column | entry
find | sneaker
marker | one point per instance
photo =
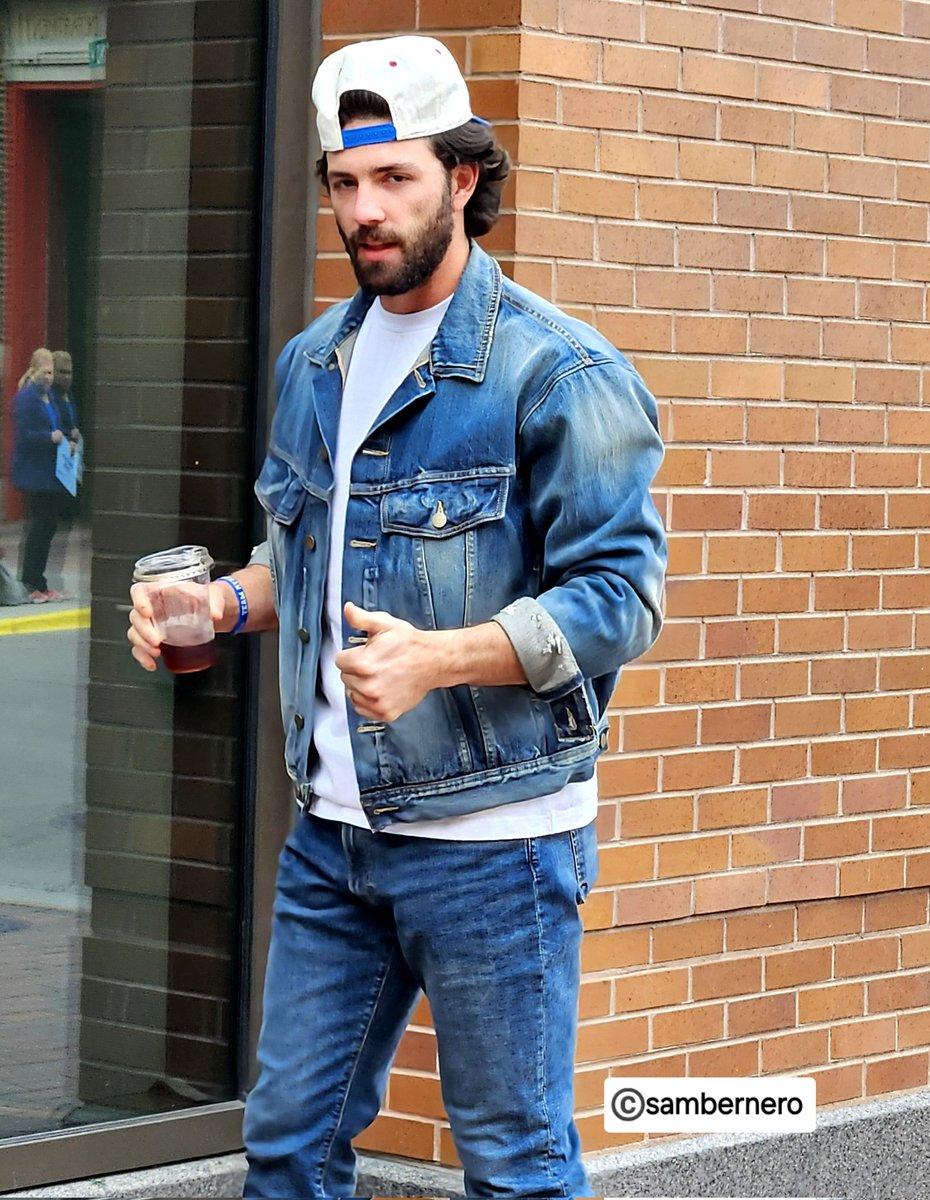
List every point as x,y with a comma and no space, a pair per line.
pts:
38,598
52,596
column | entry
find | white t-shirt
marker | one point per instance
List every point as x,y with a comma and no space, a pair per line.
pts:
386,348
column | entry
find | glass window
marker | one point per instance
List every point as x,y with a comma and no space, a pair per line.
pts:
130,167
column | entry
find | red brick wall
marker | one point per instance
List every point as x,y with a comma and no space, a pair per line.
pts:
736,194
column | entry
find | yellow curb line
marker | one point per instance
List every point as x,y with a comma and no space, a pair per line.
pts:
47,622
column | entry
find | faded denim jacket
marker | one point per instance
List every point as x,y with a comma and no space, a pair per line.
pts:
506,479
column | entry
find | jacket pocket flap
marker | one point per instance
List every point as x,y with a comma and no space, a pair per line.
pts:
439,508
280,490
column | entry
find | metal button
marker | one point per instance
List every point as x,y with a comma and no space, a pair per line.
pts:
439,520
304,635
331,367
299,721
310,541
324,455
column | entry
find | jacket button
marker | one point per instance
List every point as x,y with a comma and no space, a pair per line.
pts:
304,635
310,541
299,721
324,455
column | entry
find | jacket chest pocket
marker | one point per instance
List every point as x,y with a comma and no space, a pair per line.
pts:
443,508
442,518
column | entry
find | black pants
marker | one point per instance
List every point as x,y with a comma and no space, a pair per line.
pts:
43,510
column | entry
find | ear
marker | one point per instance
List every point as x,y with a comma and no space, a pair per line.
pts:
464,181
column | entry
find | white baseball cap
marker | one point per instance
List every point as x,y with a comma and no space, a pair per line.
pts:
417,77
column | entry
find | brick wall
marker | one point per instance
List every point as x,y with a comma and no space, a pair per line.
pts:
736,194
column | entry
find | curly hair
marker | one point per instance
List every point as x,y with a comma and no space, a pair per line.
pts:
470,143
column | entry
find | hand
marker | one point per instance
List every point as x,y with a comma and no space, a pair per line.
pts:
394,670
143,632
57,436
75,435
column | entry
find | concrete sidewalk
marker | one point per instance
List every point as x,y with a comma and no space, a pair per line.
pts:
43,901
41,950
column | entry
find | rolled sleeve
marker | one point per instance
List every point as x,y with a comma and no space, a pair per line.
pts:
260,556
539,644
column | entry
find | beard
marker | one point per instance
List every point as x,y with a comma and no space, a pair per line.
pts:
421,250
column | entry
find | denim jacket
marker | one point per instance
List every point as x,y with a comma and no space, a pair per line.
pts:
506,479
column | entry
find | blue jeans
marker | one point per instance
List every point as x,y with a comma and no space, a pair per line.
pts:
490,931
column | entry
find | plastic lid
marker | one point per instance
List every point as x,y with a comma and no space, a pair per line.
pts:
173,566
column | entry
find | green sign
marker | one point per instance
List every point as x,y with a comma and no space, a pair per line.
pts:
97,52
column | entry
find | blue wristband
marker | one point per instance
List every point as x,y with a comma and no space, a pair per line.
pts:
239,592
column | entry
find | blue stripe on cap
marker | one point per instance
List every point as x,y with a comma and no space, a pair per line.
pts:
368,135
481,121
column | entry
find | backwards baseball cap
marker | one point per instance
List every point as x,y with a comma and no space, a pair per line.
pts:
417,77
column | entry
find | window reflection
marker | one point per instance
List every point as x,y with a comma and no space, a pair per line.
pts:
53,111
128,162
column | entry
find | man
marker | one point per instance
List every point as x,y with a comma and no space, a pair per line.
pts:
463,552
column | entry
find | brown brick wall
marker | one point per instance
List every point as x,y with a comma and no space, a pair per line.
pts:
765,801
739,199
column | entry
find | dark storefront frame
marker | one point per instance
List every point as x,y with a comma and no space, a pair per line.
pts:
284,237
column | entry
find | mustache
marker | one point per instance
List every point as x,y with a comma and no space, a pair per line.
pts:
372,236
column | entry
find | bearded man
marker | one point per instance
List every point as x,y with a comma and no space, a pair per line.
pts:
461,555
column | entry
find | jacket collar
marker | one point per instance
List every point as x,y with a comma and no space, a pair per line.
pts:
462,343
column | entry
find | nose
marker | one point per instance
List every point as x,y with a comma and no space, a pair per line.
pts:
368,208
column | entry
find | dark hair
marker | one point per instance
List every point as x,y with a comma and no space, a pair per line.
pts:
470,143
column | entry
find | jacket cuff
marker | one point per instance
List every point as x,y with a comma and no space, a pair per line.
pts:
540,645
260,556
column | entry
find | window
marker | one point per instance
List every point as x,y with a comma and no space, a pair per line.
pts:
131,178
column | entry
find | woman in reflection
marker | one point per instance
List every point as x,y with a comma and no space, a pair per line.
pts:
37,434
